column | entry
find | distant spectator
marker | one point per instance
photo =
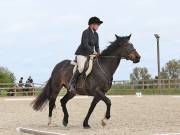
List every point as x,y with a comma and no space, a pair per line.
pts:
21,82
30,80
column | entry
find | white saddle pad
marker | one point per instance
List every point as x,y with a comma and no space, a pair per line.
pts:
88,71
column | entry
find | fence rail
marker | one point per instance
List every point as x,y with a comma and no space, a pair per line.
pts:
148,84
14,89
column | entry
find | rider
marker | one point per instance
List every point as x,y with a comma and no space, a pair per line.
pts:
21,82
89,45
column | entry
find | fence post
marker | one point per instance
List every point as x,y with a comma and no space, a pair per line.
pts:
164,86
32,93
133,85
169,83
33,90
159,83
15,91
143,84
123,84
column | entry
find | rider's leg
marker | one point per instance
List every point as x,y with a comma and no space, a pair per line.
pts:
73,81
81,60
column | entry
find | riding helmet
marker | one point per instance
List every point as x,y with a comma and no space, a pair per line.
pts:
94,20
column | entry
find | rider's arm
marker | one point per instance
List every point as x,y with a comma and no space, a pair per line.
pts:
85,41
97,45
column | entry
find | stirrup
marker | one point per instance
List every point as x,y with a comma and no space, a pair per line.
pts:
72,90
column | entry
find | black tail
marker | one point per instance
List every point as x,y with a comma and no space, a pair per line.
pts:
41,100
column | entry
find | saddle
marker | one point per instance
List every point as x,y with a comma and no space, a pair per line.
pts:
88,65
87,70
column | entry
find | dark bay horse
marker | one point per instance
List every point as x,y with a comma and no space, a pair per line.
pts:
97,83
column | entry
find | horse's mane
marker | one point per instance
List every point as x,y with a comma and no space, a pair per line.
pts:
113,46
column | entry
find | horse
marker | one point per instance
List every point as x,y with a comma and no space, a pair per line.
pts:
97,83
28,88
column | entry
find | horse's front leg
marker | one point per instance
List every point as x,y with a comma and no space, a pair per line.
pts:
108,104
93,105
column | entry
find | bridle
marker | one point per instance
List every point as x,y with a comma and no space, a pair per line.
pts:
113,57
129,50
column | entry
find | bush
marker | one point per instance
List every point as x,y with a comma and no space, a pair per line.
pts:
6,76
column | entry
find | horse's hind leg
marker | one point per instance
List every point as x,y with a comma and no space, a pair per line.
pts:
64,101
55,91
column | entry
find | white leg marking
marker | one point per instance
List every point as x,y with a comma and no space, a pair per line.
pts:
104,122
49,121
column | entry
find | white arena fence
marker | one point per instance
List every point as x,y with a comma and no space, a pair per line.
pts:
35,132
15,89
147,84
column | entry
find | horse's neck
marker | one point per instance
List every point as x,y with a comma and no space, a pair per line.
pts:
110,65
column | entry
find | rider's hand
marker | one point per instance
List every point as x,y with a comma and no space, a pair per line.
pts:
98,54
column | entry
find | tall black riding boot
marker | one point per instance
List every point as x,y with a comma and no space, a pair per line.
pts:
73,81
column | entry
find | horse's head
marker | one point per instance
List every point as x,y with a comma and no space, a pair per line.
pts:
127,49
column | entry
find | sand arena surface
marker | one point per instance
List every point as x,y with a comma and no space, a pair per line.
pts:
147,115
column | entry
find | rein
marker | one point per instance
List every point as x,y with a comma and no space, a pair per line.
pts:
100,67
115,57
104,73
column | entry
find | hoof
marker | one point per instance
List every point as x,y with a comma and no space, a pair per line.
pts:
49,122
104,122
65,122
87,127
73,92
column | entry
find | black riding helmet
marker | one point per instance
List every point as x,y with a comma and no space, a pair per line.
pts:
94,20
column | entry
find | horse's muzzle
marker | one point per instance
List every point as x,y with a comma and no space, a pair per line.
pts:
136,59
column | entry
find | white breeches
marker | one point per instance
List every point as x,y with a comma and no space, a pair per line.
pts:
81,60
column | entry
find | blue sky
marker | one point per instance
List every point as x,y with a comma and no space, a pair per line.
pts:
37,34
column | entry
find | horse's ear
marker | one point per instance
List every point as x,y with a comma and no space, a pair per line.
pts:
129,37
116,36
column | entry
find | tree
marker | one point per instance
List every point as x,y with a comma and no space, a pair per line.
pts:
171,70
140,74
6,76
163,74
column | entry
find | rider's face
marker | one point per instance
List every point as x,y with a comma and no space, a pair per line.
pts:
95,27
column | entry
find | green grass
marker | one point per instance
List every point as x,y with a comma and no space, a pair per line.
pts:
167,91
119,91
